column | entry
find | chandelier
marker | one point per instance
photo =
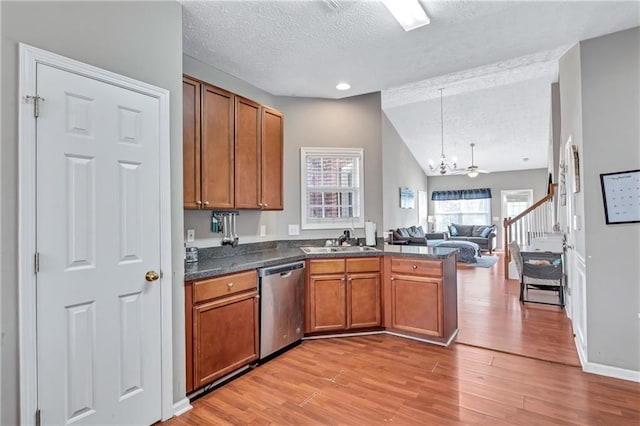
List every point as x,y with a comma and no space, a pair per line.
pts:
443,166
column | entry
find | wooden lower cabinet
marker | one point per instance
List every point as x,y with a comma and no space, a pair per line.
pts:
343,294
416,305
363,300
222,326
421,297
327,302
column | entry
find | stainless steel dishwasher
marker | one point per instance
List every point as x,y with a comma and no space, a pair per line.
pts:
281,306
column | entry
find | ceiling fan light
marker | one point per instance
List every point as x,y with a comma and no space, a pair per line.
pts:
408,13
472,173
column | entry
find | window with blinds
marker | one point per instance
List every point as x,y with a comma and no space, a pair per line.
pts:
332,191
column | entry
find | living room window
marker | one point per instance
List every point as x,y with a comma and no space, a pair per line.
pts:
464,207
332,188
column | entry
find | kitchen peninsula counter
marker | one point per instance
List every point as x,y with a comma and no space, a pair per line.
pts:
224,260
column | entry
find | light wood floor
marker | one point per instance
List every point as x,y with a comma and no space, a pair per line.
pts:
383,379
490,315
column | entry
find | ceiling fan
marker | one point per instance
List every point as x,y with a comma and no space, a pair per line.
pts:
473,170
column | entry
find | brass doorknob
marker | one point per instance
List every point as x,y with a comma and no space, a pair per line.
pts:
151,276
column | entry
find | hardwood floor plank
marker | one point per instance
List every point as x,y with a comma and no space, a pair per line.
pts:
490,315
529,376
384,379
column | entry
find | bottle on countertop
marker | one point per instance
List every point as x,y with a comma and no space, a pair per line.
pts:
192,255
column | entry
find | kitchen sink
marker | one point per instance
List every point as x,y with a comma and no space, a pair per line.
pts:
342,249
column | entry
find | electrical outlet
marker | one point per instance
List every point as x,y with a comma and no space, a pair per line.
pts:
294,230
191,235
263,231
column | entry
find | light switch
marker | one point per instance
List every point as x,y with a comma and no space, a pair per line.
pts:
191,235
294,230
263,231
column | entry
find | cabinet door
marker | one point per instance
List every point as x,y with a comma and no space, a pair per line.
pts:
191,143
217,148
417,305
327,302
272,158
248,154
225,336
363,300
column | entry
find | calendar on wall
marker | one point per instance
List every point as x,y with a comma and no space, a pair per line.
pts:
621,196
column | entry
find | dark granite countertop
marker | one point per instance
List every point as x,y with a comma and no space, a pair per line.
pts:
224,260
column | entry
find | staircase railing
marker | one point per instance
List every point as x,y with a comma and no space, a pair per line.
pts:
533,222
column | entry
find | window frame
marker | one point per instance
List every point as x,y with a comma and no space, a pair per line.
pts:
331,223
442,226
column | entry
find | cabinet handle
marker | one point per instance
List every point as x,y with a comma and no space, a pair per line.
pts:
342,279
198,202
260,204
350,279
206,203
415,267
265,205
230,285
393,278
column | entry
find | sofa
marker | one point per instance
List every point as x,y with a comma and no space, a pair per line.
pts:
414,235
483,235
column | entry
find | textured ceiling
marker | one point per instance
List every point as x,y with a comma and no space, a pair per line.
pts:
494,59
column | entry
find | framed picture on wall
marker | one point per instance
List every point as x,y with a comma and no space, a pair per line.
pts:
576,168
407,198
621,196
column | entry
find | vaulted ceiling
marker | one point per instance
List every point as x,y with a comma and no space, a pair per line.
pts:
494,60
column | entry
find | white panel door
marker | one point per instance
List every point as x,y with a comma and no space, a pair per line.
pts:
98,233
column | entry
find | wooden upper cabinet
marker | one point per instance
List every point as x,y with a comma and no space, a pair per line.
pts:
248,153
272,159
218,153
191,143
232,150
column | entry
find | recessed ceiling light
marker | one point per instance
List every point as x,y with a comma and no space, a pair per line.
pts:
343,86
525,159
408,13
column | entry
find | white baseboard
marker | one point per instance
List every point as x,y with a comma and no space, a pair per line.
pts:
604,370
609,371
181,407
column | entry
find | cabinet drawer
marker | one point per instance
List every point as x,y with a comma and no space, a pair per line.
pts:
326,266
225,286
423,267
363,264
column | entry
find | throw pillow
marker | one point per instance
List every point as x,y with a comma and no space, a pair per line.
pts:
486,231
416,231
403,232
453,231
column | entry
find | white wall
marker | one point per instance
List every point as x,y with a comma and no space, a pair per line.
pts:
535,179
350,122
400,169
142,40
610,68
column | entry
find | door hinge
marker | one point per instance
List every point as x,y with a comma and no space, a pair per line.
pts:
36,104
36,262
38,417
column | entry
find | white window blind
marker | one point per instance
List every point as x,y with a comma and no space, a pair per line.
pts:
332,190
